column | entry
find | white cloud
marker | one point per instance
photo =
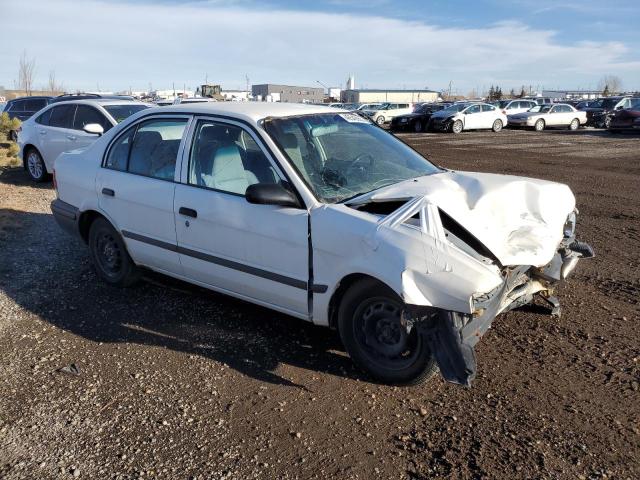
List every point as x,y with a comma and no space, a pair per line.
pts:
122,44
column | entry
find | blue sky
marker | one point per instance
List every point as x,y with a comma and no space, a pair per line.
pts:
117,44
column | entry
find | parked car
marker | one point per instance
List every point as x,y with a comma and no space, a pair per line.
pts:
66,126
23,108
387,111
599,114
544,116
542,100
468,116
369,106
509,107
323,216
585,104
627,119
418,120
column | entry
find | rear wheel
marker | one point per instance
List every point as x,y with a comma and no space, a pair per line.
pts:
457,126
380,120
539,125
109,255
418,126
372,331
497,126
575,123
35,166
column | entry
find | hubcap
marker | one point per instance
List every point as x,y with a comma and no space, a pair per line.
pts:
35,165
108,254
457,127
382,335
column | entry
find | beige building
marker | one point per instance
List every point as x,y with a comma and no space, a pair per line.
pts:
404,96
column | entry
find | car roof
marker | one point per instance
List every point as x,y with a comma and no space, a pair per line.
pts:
251,111
34,97
100,101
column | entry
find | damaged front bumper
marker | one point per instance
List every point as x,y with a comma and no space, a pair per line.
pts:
452,336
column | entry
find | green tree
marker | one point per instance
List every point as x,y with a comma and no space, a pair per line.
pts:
605,92
8,124
491,94
523,92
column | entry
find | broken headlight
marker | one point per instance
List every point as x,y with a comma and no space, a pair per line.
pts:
570,225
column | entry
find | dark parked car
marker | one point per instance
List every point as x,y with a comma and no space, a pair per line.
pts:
626,119
418,120
89,96
600,113
586,104
22,108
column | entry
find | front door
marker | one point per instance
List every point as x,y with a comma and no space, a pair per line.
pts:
136,187
256,252
86,114
54,137
473,117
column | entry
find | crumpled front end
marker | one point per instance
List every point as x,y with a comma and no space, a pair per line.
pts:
452,335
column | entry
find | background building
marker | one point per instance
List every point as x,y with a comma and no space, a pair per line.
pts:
368,96
287,93
572,94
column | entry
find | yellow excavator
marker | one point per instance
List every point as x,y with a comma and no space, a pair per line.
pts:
211,91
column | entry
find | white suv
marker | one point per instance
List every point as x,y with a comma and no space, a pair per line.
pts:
387,111
68,125
322,215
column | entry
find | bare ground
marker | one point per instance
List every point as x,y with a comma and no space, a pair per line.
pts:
177,382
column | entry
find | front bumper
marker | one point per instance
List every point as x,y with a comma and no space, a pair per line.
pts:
452,336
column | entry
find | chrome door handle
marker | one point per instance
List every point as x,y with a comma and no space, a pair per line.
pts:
72,137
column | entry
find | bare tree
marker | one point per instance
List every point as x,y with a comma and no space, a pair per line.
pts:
613,82
26,69
53,86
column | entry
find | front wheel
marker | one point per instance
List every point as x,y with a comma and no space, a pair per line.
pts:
372,331
575,123
539,125
497,126
417,126
380,120
35,166
457,126
109,255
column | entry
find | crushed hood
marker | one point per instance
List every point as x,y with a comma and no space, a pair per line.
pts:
520,220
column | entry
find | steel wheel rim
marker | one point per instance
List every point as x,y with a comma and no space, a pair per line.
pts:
457,126
108,254
380,120
539,125
35,165
574,125
497,125
382,337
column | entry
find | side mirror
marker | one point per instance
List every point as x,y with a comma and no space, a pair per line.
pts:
93,128
271,194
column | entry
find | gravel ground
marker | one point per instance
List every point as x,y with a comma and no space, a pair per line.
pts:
177,382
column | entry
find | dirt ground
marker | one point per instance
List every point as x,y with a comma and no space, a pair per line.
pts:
177,382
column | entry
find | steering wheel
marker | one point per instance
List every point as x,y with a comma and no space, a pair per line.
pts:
358,165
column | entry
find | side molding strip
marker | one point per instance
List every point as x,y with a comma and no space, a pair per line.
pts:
241,267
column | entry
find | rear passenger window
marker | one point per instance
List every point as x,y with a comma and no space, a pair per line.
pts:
154,149
43,119
17,106
62,116
226,158
119,152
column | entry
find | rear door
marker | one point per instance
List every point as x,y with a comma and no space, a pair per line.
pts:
257,252
55,136
136,186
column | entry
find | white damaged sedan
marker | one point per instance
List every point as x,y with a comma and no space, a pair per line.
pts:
323,216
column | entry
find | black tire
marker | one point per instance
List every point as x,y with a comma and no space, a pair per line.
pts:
418,127
497,126
370,309
34,165
380,120
13,136
539,125
457,127
109,255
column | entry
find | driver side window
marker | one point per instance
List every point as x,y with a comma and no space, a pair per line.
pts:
473,109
